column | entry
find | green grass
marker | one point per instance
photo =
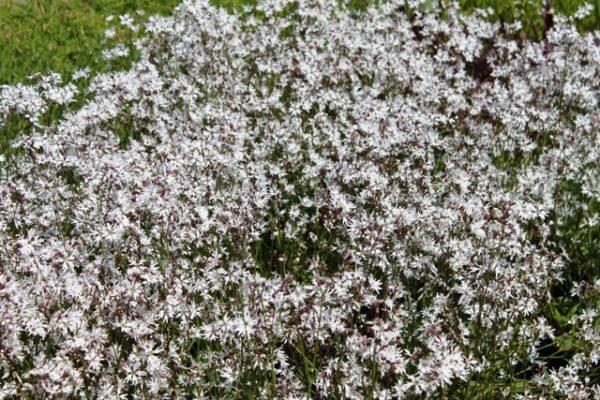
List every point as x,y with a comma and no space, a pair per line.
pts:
62,35
59,35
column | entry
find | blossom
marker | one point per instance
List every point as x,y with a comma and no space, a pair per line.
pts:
294,200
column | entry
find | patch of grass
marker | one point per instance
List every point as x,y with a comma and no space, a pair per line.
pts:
63,35
59,35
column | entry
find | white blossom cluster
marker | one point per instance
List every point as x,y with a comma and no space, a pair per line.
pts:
300,202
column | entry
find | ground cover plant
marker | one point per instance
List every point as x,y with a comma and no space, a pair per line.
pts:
307,199
41,36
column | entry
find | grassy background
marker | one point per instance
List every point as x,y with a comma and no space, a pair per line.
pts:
62,35
58,35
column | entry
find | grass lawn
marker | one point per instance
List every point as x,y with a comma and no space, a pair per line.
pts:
62,35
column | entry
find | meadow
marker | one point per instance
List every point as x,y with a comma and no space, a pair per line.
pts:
300,199
65,35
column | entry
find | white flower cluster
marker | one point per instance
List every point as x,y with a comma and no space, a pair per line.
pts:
295,202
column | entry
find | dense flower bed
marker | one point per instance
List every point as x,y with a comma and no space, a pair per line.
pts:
297,202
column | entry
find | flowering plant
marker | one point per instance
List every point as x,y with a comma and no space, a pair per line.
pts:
295,202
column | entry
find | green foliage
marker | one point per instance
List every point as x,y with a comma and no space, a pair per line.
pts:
59,35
